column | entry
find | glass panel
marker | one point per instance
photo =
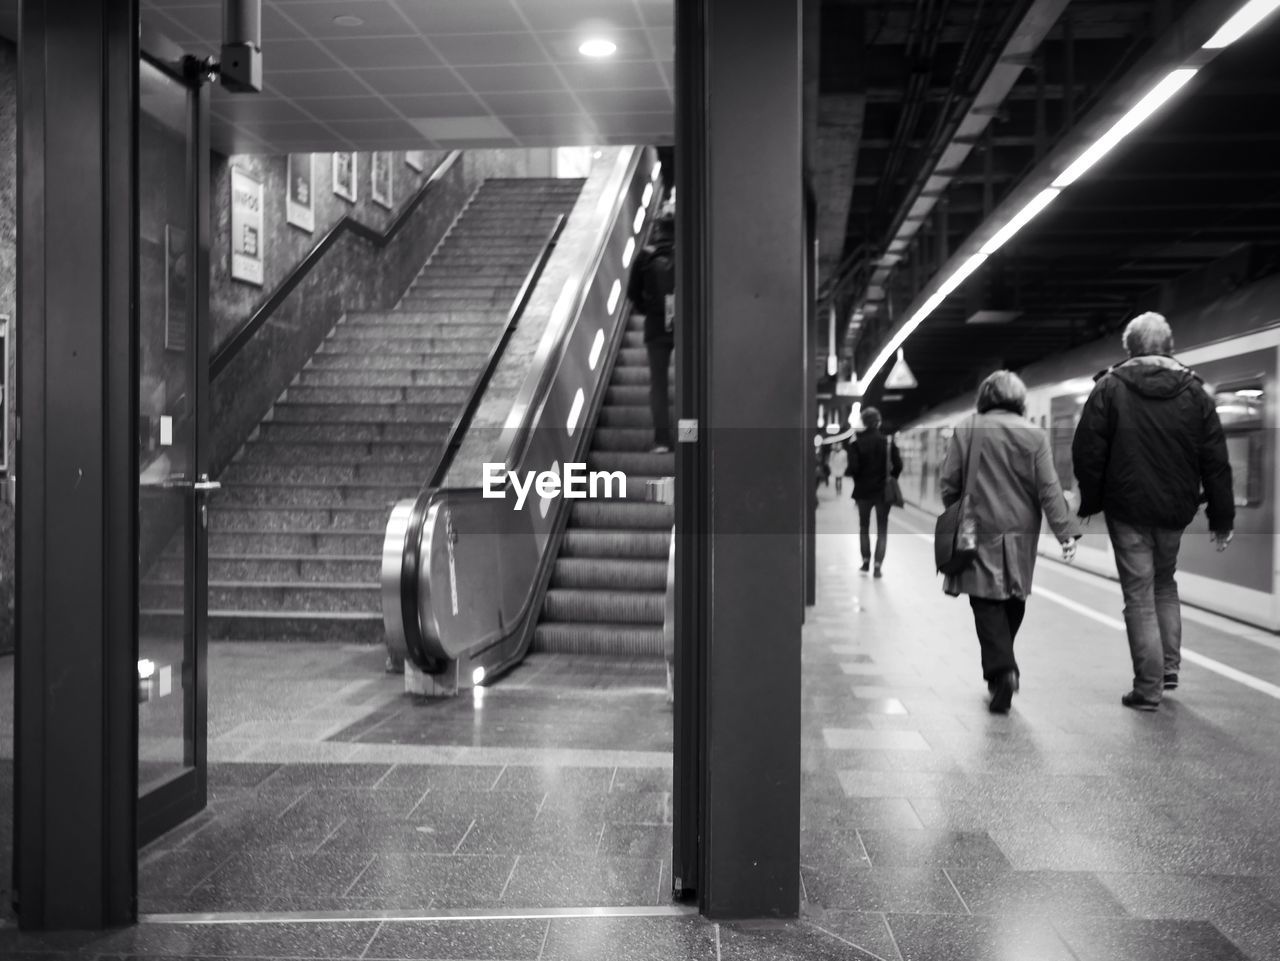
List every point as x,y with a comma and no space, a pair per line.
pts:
166,441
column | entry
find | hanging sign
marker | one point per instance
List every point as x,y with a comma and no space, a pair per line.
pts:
900,378
246,227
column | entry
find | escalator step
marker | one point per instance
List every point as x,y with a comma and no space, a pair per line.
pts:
583,542
614,639
595,574
603,607
620,515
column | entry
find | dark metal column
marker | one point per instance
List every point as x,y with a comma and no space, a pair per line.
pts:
744,485
76,742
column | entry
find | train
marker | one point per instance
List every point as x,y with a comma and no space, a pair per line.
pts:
1233,343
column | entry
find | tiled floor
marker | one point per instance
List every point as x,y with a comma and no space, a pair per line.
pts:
932,831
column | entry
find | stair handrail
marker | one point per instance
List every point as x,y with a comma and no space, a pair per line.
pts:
346,224
457,433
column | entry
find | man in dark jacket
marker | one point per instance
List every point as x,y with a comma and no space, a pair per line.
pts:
651,289
1149,440
872,458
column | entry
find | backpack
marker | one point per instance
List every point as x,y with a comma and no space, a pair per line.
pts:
658,286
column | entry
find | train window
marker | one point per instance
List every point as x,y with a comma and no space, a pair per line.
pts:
1240,409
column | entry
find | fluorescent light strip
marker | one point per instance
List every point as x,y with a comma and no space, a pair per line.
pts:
648,194
1143,109
639,221
628,252
1244,20
1020,220
597,347
615,294
575,412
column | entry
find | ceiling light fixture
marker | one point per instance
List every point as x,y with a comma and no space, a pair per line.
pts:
348,20
1245,19
598,47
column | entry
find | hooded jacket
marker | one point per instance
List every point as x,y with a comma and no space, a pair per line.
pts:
1149,447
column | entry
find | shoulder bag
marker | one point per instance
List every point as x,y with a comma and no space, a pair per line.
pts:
892,489
955,533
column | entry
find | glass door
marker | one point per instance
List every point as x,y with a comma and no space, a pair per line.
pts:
172,370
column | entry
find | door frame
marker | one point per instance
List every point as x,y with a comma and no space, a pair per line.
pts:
184,796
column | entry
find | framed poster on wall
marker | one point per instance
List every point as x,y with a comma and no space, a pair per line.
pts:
417,159
176,291
246,227
300,209
344,176
381,178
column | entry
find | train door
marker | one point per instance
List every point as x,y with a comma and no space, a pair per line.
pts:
171,442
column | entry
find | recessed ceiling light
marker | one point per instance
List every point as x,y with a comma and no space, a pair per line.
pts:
348,20
598,47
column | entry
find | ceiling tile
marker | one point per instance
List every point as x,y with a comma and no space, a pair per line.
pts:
498,79
295,55
642,124
551,126
463,128
275,131
657,13
203,21
156,20
361,52
532,102
434,17
637,75
349,108
415,80
627,101
576,14
563,45
254,107
471,49
302,84
663,43
357,130
276,26
437,105
316,17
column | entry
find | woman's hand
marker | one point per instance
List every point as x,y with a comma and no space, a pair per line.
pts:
1069,550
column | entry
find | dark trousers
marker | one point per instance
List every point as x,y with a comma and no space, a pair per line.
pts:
659,403
881,508
997,623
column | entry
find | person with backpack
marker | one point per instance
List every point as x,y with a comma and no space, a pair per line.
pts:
652,291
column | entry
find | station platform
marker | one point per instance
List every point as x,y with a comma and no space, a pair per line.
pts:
1070,829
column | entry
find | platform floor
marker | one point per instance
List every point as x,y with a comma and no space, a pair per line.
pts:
1071,829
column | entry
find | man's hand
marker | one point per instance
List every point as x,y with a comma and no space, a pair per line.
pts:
1069,550
1221,539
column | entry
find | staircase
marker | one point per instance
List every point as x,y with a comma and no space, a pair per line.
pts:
296,534
607,590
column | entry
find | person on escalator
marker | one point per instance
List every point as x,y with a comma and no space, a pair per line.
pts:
652,289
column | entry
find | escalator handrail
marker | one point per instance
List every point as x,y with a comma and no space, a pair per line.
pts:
462,424
346,224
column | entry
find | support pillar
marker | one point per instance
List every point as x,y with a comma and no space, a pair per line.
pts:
76,744
744,484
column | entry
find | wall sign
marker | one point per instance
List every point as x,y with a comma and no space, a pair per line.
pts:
381,177
176,288
246,227
300,208
344,176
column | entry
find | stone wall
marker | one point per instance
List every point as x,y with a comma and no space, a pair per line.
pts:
8,307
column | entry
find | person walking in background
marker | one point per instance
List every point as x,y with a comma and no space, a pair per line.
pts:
651,289
1149,440
1012,481
839,465
872,459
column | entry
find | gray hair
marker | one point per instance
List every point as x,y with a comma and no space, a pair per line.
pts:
1004,390
1148,333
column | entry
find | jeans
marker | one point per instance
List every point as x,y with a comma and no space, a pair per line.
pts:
1147,558
997,623
881,508
659,404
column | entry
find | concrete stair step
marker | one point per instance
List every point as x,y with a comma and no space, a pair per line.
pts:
311,568
603,607
345,346
622,515
297,519
453,396
346,472
575,573
276,429
447,360
275,542
615,639
289,413
433,302
338,452
248,596
377,378
284,494
440,322
615,545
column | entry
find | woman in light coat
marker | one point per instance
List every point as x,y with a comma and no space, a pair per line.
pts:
1013,482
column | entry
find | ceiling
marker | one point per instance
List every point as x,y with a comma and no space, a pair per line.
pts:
440,73
1184,210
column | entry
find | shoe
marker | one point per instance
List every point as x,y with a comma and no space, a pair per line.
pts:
1171,682
1002,694
866,566
1139,703
876,572
660,449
